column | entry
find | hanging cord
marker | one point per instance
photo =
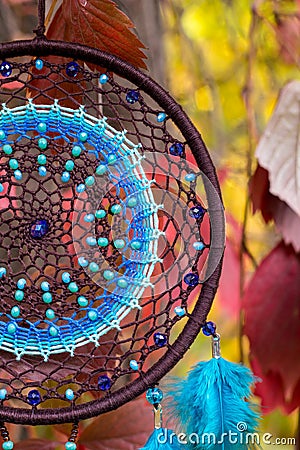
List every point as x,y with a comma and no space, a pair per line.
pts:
40,30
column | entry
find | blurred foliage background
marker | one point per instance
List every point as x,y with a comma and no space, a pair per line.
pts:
225,61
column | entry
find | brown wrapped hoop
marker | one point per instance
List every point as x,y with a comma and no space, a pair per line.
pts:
41,47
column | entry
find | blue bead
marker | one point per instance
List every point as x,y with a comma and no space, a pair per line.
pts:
104,383
134,364
2,272
53,331
199,246
89,218
19,295
93,267
190,177
42,171
103,78
39,229
66,277
5,69
39,64
65,177
34,397
176,149
70,445
80,188
93,315
161,117
11,328
45,286
1,188
90,240
197,212
179,311
7,445
2,135
69,394
21,283
191,279
72,69
132,96
209,329
154,395
82,261
3,394
18,175
47,297
160,339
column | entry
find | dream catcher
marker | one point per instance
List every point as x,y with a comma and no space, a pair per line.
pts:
112,236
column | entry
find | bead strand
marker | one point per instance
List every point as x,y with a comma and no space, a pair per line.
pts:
7,444
71,444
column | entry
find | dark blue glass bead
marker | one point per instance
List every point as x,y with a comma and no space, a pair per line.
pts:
191,279
104,383
197,212
34,397
132,96
39,228
209,328
154,396
5,69
176,149
72,69
160,339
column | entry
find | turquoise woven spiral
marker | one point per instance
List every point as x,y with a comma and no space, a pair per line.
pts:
120,161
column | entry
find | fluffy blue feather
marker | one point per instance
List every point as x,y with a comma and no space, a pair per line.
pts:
212,402
162,439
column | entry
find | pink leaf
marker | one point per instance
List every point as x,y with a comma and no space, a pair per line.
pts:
272,312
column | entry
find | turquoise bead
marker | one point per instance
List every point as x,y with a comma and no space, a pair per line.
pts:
2,135
50,314
80,188
3,394
69,165
82,261
199,246
134,364
122,283
42,159
69,394
154,395
47,297
111,158
42,171
132,202
39,64
42,127
2,272
100,213
19,295
190,177
73,287
7,149
8,445
76,151
101,169
119,243
93,267
179,311
108,275
83,136
53,331
15,312
45,286
11,328
66,277
82,301
70,445
103,242
103,78
65,177
13,164
90,240
136,245
1,188
89,181
116,209
21,283
18,175
42,143
92,314
89,218
161,117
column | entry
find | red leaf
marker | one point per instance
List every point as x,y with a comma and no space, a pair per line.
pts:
99,24
36,444
127,428
272,312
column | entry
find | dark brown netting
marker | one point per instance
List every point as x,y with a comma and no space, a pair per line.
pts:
129,355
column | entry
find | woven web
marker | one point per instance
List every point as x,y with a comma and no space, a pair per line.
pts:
127,262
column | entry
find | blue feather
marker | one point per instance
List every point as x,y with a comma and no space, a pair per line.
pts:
212,402
162,439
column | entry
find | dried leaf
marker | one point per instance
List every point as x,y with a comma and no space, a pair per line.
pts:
272,313
288,37
36,444
279,148
127,428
